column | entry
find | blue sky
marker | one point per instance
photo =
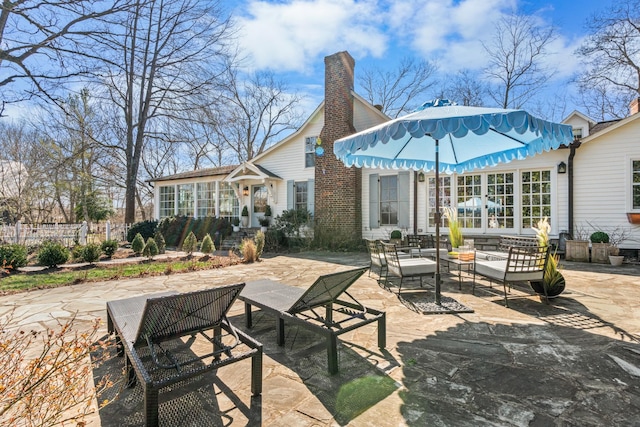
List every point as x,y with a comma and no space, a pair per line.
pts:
291,37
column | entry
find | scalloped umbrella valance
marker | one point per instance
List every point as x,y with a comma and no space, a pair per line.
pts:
443,137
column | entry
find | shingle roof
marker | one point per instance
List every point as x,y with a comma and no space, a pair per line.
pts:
200,173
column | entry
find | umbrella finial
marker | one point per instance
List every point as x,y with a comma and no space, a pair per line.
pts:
436,103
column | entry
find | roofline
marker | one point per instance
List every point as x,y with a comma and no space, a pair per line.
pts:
581,115
614,126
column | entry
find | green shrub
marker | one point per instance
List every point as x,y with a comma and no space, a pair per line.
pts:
13,255
259,240
162,246
245,211
599,237
175,229
190,243
91,253
396,234
290,221
150,249
52,254
267,210
109,247
137,245
145,228
275,240
207,244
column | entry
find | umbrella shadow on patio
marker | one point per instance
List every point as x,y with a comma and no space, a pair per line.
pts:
503,373
218,398
362,380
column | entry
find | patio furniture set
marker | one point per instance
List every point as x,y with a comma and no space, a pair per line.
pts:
519,259
158,333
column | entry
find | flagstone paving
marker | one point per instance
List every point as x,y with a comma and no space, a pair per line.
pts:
574,362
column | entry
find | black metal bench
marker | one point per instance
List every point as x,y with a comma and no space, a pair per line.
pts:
148,329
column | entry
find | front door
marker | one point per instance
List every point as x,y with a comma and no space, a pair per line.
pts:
258,203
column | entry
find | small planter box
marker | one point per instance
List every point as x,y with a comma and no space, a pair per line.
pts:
577,250
600,253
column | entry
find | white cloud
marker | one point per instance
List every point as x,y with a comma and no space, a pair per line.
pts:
290,36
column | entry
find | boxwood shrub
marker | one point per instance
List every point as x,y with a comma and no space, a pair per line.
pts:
13,255
52,254
145,228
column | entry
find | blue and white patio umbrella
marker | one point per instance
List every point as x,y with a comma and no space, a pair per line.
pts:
446,138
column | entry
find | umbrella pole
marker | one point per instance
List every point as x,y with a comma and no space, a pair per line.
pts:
437,219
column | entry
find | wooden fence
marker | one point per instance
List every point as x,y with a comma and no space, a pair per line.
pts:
69,234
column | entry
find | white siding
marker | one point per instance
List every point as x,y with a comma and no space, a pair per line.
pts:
601,180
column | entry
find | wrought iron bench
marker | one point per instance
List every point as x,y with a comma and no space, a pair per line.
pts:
148,329
319,308
522,264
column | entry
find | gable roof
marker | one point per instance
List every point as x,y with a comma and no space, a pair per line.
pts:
603,128
580,115
249,170
198,173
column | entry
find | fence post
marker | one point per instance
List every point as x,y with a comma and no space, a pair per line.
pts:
107,230
83,233
18,231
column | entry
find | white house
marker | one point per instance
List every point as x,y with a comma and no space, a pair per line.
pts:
593,183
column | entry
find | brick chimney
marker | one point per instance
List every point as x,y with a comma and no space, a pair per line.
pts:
634,106
338,189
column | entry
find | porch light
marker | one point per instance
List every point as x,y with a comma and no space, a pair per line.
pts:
562,167
245,191
421,177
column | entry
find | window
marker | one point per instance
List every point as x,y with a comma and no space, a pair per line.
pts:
185,199
167,201
206,199
469,201
389,200
577,133
310,151
635,184
301,196
229,205
500,199
259,198
445,198
536,197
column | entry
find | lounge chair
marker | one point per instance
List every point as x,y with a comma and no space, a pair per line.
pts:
148,327
522,264
319,308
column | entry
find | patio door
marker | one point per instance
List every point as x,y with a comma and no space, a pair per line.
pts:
258,204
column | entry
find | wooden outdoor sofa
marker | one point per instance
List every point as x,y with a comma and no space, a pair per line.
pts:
148,329
320,308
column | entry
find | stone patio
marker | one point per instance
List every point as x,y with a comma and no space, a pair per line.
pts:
575,362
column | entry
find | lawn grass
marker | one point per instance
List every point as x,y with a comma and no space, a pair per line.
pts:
51,278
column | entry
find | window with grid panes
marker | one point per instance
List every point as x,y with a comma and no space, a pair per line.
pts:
206,199
229,205
185,199
469,201
500,200
445,199
635,184
301,195
535,197
167,201
389,200
310,151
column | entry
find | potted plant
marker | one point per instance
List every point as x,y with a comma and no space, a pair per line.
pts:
264,223
577,249
396,237
455,232
599,247
245,216
267,211
553,283
235,222
617,236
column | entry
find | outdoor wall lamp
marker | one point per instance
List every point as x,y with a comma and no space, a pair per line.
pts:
562,167
421,177
245,191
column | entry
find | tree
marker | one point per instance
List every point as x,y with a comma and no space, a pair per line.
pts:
43,43
401,90
465,89
611,58
517,51
255,112
166,51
